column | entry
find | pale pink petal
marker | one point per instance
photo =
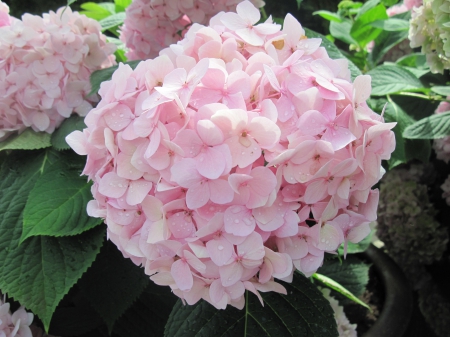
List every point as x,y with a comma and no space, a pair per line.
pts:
182,275
238,221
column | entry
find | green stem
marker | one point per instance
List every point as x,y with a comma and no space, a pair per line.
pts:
264,14
427,97
246,312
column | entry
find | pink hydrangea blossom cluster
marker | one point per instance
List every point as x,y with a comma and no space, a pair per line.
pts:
16,324
45,64
238,154
442,145
152,25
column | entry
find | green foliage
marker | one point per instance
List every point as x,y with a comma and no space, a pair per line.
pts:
303,312
41,270
362,29
432,127
97,11
69,125
339,288
27,140
352,274
391,25
112,284
157,302
389,79
405,149
56,205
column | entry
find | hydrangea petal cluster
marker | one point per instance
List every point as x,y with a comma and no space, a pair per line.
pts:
345,328
152,25
442,145
234,156
16,324
429,29
45,64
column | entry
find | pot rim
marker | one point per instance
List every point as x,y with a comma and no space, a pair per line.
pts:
398,304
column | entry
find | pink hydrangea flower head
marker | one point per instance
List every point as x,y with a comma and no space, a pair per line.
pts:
45,67
442,145
151,26
16,324
239,154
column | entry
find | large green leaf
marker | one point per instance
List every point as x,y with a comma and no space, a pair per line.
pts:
112,283
432,127
352,274
333,51
388,79
70,124
327,15
56,205
341,31
97,11
40,271
391,25
112,21
155,304
363,31
27,140
303,312
384,42
100,76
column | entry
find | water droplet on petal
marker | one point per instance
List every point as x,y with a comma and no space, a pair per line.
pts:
220,247
236,221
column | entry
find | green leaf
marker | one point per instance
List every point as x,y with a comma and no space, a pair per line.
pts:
405,149
112,283
40,271
69,125
333,51
341,31
112,21
441,90
389,3
388,79
415,60
352,274
100,76
391,25
366,7
96,11
327,15
27,140
303,312
362,30
69,2
432,127
121,5
354,248
56,205
339,288
384,42
157,302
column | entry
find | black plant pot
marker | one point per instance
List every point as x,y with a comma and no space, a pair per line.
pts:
398,304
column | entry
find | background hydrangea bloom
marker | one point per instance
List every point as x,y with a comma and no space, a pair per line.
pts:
45,67
151,25
345,329
16,324
216,190
430,31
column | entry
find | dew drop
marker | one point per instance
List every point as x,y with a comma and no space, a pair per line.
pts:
323,240
248,221
121,115
178,214
212,208
220,247
327,242
120,185
127,215
114,114
242,153
236,221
